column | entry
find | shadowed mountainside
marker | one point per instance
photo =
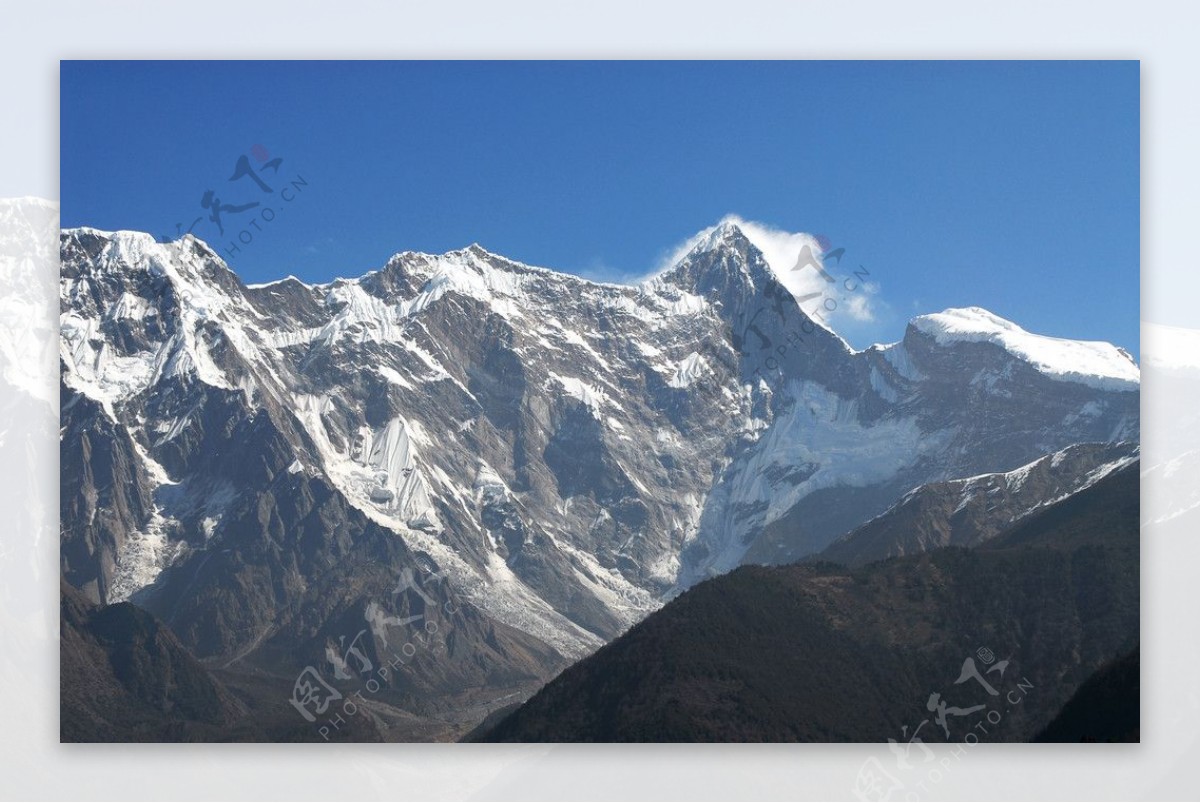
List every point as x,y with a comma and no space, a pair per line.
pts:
823,653
1107,707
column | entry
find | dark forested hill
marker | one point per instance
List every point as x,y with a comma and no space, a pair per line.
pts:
824,653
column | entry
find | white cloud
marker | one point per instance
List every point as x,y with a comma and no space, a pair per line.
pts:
859,308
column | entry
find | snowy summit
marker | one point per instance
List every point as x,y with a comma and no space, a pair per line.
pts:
1097,364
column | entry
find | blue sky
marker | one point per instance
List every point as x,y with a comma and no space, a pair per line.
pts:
1008,185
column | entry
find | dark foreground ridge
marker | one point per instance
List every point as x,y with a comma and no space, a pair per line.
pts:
1107,708
125,677
824,653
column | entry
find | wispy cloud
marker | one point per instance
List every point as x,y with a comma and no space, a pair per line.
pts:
319,246
861,308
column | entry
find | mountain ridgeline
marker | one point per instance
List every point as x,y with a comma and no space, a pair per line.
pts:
502,468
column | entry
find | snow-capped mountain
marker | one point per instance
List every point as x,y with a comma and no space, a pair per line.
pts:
564,454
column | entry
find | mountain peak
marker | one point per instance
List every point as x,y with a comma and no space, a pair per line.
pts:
963,320
713,237
742,252
794,259
1095,363
784,252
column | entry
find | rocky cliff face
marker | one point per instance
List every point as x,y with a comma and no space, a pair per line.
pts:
272,469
